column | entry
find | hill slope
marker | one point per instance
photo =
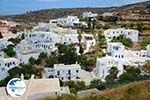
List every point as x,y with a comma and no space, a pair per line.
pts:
133,91
45,15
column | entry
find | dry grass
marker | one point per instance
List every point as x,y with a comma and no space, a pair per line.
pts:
133,91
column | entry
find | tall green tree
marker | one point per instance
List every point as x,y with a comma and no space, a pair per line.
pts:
10,51
32,61
113,72
145,41
67,54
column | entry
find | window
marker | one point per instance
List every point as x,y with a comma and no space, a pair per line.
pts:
62,78
69,78
58,73
77,71
69,71
14,63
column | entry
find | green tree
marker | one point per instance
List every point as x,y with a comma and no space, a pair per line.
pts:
107,26
140,26
75,86
42,58
10,51
101,41
125,41
145,41
32,61
67,54
81,50
131,74
89,22
97,84
113,72
15,40
51,61
82,60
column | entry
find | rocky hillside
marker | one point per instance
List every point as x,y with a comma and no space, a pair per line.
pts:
46,14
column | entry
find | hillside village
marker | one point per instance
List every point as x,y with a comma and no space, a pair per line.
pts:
75,55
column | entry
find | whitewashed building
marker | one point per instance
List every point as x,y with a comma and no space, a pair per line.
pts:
89,15
103,65
43,40
114,47
129,33
25,51
70,39
7,64
121,58
108,14
64,72
68,21
87,40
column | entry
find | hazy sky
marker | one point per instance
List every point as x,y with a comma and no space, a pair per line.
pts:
8,7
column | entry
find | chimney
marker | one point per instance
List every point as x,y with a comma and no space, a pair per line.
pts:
22,77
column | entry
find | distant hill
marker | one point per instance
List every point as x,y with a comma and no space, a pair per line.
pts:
46,14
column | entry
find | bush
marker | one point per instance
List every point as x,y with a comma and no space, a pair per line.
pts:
66,97
75,86
10,51
125,41
145,41
98,84
106,26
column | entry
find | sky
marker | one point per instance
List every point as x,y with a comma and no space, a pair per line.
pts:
10,7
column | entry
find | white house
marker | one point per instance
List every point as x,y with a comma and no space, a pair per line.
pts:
68,21
70,39
114,47
89,15
42,36
103,65
108,14
7,64
129,33
87,40
25,51
43,40
64,72
121,58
